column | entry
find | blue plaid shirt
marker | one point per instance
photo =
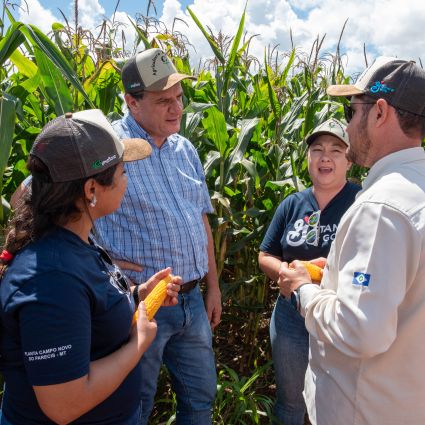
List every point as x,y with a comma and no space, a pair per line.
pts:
159,223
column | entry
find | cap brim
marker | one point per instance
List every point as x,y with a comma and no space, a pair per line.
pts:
169,81
343,90
310,139
135,149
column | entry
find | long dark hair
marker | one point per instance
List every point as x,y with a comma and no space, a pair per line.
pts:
47,204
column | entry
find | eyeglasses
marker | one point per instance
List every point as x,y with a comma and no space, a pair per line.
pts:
349,112
313,235
118,278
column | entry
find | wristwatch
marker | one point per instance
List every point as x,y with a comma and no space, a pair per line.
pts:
296,298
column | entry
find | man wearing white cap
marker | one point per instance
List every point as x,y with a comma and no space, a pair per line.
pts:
163,222
367,317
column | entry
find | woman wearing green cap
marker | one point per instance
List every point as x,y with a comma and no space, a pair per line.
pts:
303,228
69,351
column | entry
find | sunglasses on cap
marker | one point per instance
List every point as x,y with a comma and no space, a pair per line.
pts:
349,112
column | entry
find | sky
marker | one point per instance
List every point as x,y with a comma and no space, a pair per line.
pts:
377,27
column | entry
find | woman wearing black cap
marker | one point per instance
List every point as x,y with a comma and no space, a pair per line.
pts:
303,228
69,352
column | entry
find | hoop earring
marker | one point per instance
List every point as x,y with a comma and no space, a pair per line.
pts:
93,201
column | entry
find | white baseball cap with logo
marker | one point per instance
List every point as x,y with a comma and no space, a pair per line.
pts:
333,127
150,70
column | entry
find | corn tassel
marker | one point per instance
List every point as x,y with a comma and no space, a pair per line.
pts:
154,299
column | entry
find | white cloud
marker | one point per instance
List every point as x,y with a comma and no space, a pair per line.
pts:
387,27
90,13
33,13
126,29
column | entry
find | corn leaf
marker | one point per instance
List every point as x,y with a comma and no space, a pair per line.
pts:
7,125
230,66
11,41
247,128
38,39
56,88
141,36
211,42
216,129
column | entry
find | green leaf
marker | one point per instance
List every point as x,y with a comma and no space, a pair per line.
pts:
38,39
7,125
211,42
11,41
213,158
230,66
216,129
247,128
24,65
141,35
193,114
274,102
54,84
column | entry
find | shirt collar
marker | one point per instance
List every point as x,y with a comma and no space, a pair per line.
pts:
391,163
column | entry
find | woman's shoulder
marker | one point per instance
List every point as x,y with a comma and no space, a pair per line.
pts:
301,196
352,186
350,190
57,252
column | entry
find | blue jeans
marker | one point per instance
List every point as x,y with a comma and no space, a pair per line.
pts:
289,341
184,344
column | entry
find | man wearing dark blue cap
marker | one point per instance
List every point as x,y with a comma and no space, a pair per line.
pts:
367,318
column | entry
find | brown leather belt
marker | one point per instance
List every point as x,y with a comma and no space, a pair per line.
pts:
188,286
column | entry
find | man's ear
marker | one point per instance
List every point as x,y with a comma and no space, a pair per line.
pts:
382,110
130,100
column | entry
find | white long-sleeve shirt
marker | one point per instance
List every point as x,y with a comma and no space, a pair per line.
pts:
367,319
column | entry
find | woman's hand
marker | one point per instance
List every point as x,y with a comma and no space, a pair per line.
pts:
145,330
321,262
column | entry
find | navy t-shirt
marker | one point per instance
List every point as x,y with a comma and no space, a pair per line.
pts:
60,310
300,231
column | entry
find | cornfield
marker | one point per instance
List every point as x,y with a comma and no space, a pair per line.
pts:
246,116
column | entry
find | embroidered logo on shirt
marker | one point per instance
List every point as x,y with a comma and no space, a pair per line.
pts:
361,279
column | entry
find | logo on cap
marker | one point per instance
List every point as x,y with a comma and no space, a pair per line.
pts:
380,86
153,66
99,163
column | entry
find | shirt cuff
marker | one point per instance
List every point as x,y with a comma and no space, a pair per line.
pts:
307,293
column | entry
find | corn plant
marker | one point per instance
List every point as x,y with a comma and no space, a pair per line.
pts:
247,118
238,401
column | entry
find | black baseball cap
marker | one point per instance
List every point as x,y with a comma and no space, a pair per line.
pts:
82,144
401,83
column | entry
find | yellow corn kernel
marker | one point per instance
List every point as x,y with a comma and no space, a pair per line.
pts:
314,271
154,299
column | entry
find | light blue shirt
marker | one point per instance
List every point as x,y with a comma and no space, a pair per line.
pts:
159,223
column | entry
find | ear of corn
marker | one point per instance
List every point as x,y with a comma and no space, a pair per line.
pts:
154,299
314,271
